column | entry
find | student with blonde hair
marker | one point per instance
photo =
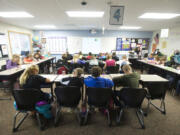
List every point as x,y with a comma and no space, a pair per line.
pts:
31,79
129,79
93,61
75,59
14,62
123,61
75,80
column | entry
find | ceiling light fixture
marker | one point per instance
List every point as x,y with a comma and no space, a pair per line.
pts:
45,26
130,27
85,14
16,15
159,15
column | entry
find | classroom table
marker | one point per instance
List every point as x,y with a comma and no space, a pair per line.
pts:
144,79
52,78
145,63
11,75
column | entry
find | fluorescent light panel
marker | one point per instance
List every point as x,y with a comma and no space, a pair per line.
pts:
85,14
45,26
159,15
16,15
130,27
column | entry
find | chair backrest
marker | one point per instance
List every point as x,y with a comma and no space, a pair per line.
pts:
3,67
26,98
99,97
68,96
157,90
133,97
112,69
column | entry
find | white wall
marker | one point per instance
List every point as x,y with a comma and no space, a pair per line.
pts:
4,28
173,41
75,44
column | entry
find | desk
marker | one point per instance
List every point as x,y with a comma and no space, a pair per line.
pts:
52,78
12,74
161,67
152,78
107,76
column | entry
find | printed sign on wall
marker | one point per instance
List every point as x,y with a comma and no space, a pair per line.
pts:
116,15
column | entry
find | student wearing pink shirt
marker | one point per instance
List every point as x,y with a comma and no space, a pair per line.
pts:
109,62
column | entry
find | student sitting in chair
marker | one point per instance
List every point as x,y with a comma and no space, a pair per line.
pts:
150,57
28,59
114,57
14,62
96,81
109,62
89,57
31,79
123,62
130,79
38,55
93,61
75,80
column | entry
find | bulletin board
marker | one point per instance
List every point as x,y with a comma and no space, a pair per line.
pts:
127,44
19,42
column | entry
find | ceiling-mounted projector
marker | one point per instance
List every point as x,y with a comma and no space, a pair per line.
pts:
93,31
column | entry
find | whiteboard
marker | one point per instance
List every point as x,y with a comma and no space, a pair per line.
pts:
19,42
74,44
91,45
56,44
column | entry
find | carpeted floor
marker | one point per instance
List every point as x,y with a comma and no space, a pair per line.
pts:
156,123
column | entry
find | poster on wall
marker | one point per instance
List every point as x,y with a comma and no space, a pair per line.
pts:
123,45
164,44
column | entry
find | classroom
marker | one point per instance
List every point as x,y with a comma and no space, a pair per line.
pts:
91,67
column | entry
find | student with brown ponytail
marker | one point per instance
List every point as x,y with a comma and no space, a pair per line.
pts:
31,79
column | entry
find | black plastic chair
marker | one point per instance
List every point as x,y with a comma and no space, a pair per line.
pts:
112,69
4,85
100,98
156,91
25,102
67,96
132,98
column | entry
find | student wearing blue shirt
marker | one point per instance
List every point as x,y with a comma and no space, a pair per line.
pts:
150,57
96,81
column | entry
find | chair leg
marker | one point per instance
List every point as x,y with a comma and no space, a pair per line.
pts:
15,127
109,118
147,109
39,121
86,117
119,116
140,116
162,108
57,116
